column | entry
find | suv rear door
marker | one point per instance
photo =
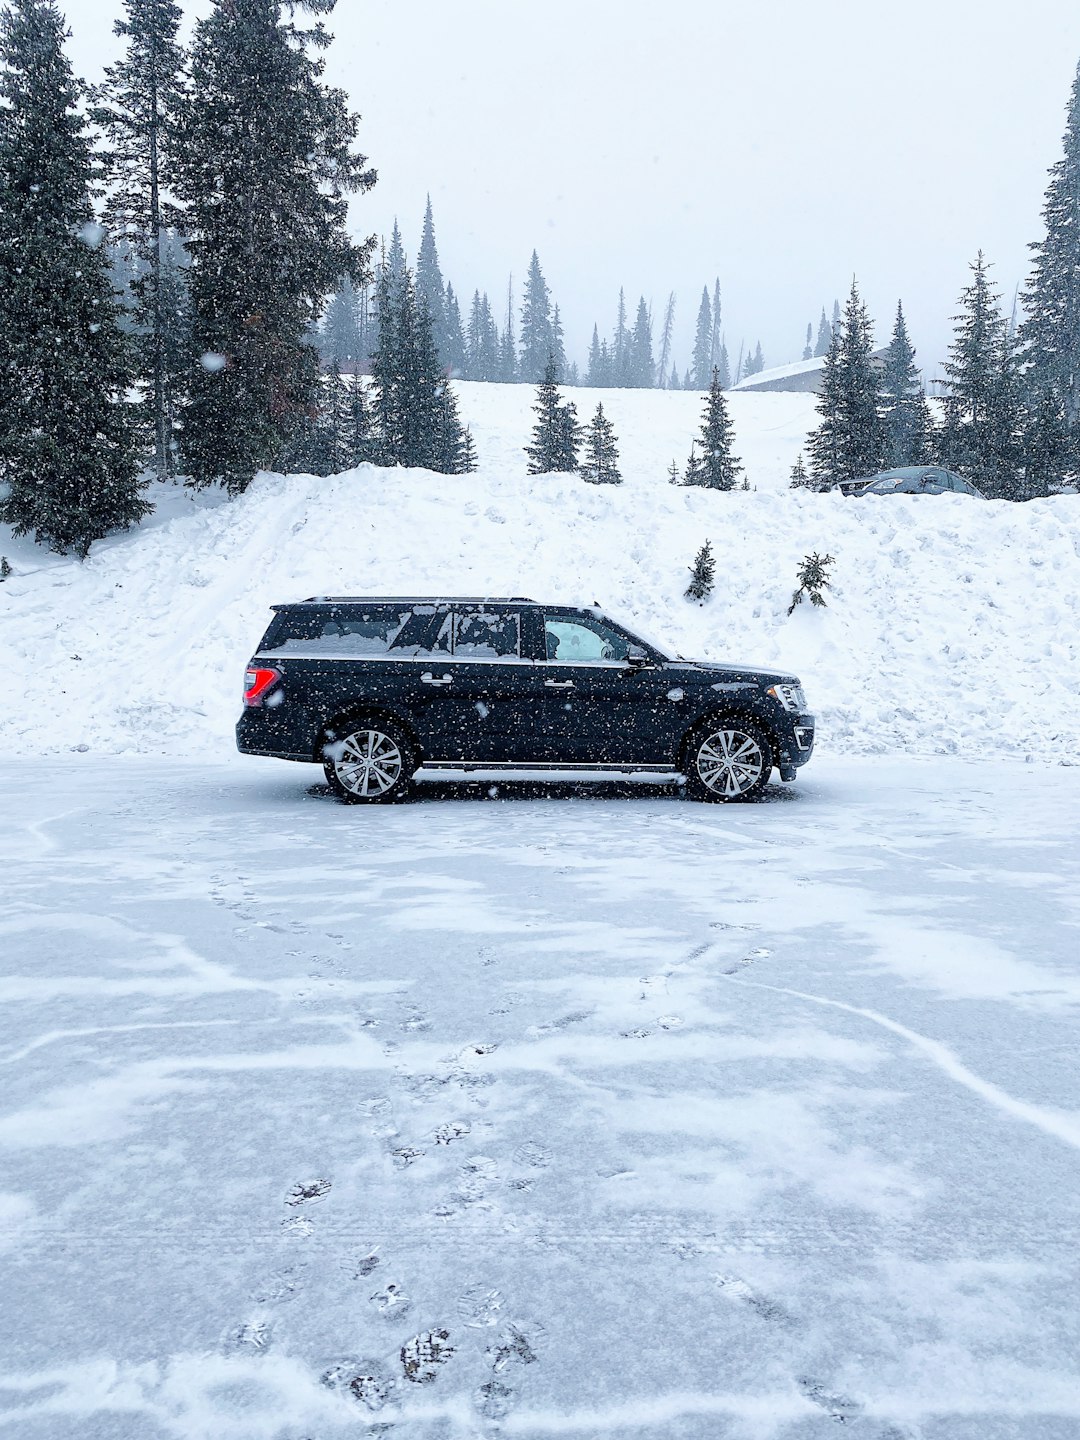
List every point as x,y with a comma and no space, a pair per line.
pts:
483,692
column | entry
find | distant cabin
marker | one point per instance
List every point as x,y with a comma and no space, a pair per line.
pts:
802,376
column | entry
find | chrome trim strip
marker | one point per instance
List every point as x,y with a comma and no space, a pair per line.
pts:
540,767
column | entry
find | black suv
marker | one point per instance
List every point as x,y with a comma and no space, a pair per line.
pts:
374,689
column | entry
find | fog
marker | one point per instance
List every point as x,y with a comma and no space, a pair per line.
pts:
781,147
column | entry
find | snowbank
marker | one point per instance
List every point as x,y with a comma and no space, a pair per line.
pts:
952,626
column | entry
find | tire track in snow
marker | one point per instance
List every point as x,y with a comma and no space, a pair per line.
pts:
1060,1126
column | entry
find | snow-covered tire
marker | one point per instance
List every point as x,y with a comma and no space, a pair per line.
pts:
727,759
368,760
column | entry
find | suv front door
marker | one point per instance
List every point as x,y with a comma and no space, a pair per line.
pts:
598,708
482,694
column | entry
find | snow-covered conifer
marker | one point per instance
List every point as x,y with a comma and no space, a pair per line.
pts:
429,283
824,336
601,463
702,362
68,448
266,169
641,369
849,441
717,467
702,575
666,338
537,334
556,434
905,415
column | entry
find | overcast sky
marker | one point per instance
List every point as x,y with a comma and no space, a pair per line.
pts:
657,144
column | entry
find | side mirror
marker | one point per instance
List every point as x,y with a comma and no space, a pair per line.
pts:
636,656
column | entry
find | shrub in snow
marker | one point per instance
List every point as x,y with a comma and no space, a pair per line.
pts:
601,463
813,577
702,574
800,480
556,434
717,467
674,474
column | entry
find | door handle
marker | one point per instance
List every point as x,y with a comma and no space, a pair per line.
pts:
559,684
429,679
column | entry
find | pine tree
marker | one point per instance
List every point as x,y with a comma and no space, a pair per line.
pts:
68,453
453,336
394,261
703,343
1050,337
415,412
266,170
137,110
849,441
468,458
812,577
694,468
905,414
674,474
429,284
702,575
594,375
339,334
620,346
356,424
505,344
808,348
717,334
481,342
1046,443
717,468
5,568
982,381
666,337
537,334
724,369
556,434
673,383
824,336
641,369
601,463
800,480
557,352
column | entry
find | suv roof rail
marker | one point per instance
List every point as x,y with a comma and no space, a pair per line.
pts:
411,600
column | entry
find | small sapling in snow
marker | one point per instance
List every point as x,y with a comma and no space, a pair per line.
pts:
674,474
5,568
702,575
813,578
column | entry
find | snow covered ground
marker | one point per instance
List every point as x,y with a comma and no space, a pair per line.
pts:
952,626
602,1114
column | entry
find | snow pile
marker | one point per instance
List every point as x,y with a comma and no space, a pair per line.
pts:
951,626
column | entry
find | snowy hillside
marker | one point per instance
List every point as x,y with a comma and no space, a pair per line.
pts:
952,626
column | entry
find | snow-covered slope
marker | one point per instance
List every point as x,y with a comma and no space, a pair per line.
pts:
952,625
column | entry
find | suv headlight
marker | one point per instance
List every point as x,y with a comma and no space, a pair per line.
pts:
791,697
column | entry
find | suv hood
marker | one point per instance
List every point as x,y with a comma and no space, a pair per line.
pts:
705,671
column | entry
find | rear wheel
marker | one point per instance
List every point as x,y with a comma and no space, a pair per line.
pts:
368,761
728,759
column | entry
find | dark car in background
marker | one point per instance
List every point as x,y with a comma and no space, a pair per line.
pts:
912,480
374,689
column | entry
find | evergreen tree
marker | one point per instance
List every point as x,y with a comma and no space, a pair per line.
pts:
68,455
812,576
356,424
594,375
556,434
905,414
757,364
703,343
468,458
1046,443
717,334
137,112
688,380
601,463
982,380
507,347
808,348
415,411
824,336
702,574
266,169
453,352
394,260
572,376
482,341
429,283
673,383
339,334
557,352
849,441
5,568
694,467
836,315
674,474
666,337
800,480
1050,337
620,346
724,369
717,468
537,332
641,368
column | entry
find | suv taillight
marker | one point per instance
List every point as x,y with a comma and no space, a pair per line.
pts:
258,681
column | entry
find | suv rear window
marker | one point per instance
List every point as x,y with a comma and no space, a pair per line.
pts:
484,634
349,630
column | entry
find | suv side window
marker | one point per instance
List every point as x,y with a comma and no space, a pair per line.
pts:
583,640
484,634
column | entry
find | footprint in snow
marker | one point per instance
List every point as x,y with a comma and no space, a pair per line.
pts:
532,1154
364,1380
405,1155
423,1354
252,1337
494,1400
450,1131
840,1408
391,1302
361,1266
282,1285
480,1307
297,1225
516,1345
742,1293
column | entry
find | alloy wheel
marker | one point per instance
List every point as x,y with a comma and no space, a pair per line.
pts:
730,762
369,764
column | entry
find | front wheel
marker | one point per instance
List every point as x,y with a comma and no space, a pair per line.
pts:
728,760
368,762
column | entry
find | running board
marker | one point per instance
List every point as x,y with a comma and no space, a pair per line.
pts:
663,773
